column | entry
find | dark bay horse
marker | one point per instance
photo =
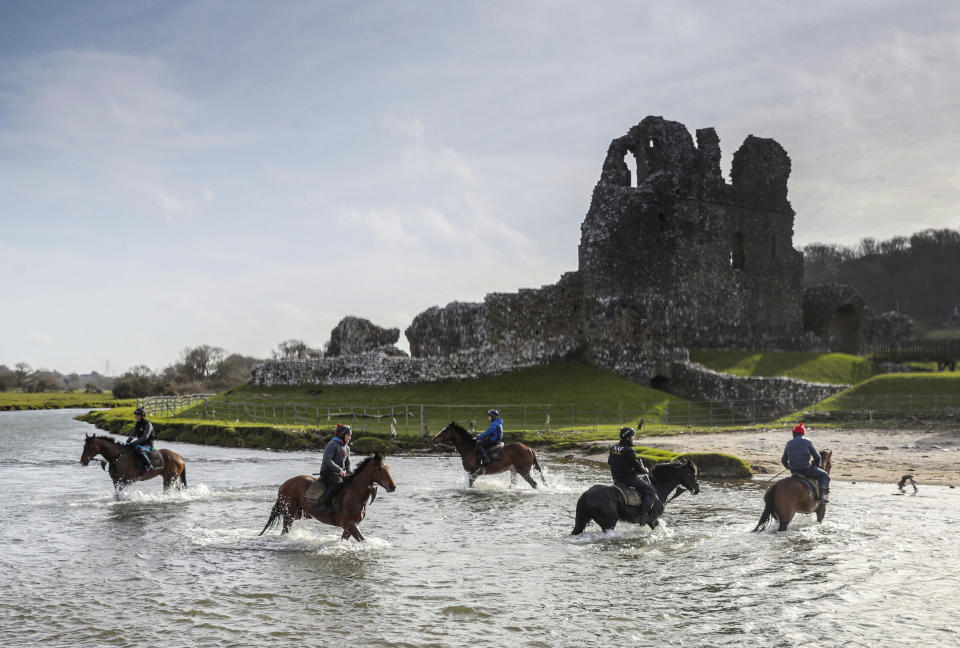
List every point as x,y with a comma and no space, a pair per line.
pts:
605,505
787,497
349,504
124,467
515,457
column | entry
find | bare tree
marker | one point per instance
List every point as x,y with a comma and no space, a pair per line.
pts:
202,361
294,349
22,369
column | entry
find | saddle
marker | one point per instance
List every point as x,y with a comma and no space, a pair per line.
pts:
631,496
156,459
811,485
494,452
314,493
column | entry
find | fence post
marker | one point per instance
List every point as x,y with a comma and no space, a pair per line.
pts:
421,420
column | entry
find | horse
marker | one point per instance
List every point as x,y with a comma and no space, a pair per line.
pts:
348,506
515,457
787,497
606,505
123,463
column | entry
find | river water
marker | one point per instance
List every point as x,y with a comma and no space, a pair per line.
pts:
447,566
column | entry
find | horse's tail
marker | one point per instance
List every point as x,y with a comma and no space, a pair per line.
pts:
583,517
183,477
275,514
768,509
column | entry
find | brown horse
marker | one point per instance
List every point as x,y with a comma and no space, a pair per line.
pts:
787,497
124,467
349,504
515,457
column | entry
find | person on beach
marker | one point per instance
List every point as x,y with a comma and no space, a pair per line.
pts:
491,437
142,437
336,463
801,457
626,467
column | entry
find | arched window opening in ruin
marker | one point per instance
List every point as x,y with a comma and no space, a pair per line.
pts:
773,247
631,161
737,259
661,383
846,334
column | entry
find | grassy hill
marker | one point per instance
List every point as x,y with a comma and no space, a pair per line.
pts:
573,395
834,368
901,393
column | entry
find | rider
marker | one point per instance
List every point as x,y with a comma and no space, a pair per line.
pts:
142,438
336,463
626,467
797,456
491,437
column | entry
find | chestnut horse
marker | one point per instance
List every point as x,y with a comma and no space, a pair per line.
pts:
514,457
787,497
349,505
123,460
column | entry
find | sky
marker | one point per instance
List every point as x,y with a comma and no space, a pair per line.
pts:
240,173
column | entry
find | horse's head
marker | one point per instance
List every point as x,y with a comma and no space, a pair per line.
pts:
451,434
826,459
90,449
689,473
381,473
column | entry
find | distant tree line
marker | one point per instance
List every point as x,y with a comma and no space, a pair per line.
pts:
918,276
24,378
200,369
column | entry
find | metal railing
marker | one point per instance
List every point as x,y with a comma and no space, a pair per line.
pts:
170,405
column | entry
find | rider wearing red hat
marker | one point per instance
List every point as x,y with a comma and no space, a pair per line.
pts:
797,456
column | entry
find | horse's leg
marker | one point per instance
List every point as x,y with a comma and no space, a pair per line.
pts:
513,478
583,517
352,529
785,517
525,473
821,511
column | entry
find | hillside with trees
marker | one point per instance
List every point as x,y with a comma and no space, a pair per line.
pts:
918,276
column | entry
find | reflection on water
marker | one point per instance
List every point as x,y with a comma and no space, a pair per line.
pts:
448,566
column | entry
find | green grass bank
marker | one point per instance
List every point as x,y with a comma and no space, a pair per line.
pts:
10,401
236,434
833,368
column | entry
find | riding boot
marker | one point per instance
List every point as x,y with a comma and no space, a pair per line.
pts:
824,495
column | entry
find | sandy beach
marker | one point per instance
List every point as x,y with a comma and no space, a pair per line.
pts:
931,455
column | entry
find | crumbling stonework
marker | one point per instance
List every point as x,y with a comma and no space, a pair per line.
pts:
751,397
887,328
675,258
834,313
357,335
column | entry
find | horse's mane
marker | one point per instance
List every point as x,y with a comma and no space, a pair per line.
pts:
105,438
363,464
672,467
460,429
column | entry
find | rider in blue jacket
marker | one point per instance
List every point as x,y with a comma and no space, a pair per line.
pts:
490,438
797,457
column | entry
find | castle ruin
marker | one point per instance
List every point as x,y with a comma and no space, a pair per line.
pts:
671,259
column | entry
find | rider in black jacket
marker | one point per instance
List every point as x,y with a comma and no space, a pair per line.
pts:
626,467
142,437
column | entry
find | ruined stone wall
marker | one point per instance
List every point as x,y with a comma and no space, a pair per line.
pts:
380,368
358,335
676,259
769,397
688,258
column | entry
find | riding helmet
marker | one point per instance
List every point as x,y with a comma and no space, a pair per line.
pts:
626,432
138,412
494,413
